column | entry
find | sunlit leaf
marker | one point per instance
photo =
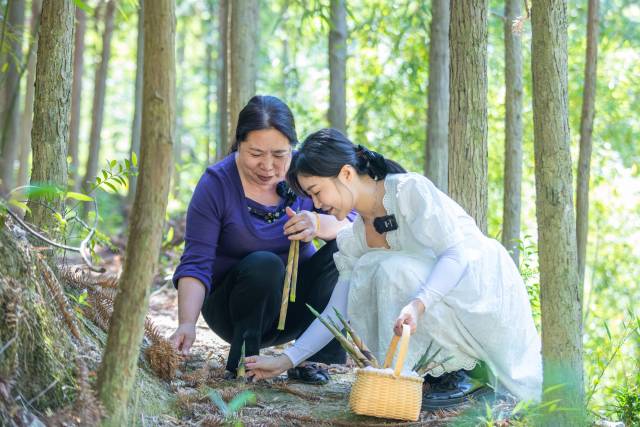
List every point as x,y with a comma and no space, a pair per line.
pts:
79,196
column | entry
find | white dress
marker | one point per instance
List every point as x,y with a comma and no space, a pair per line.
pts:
486,316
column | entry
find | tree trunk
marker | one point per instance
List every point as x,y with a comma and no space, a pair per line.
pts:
118,369
437,147
513,132
338,66
223,80
27,114
76,94
561,306
136,125
97,114
243,57
11,122
52,101
468,155
586,132
208,78
177,143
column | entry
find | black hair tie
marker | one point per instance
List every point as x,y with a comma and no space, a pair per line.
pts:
371,162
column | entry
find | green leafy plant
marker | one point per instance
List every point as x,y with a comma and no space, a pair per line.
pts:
116,174
627,405
229,410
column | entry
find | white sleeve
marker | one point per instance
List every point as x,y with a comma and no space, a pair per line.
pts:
446,274
317,335
426,212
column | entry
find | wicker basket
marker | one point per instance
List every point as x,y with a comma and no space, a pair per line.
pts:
385,395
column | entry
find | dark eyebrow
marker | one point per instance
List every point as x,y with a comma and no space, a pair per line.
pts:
310,187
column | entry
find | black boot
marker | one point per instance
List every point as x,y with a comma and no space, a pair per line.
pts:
451,389
309,373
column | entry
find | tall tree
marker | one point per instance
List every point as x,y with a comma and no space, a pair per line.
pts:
177,143
338,66
76,92
27,113
11,122
243,56
118,368
223,79
586,133
560,298
97,111
437,147
136,123
511,206
208,76
50,131
468,153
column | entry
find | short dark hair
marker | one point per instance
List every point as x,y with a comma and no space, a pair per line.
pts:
326,151
265,112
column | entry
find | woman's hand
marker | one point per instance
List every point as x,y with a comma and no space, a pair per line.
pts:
263,367
183,338
409,316
301,226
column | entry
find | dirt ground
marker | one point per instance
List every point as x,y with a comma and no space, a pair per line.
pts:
279,401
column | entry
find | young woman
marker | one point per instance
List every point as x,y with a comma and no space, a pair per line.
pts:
240,223
414,256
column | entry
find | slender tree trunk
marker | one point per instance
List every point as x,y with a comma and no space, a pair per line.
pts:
76,94
52,101
513,132
223,79
437,147
177,143
338,66
27,114
560,301
243,56
118,368
208,78
136,125
11,123
468,154
586,133
97,114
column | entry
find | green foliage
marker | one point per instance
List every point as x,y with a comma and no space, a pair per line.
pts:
523,414
627,405
230,410
116,174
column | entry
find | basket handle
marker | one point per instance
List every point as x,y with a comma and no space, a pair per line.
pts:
404,346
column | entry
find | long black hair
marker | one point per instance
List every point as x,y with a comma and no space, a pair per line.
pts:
326,151
265,112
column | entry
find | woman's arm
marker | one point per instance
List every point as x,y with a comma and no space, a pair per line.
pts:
308,225
329,226
191,293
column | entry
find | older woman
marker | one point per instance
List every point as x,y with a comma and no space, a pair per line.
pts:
240,223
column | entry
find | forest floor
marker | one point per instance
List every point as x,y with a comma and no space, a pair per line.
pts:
278,402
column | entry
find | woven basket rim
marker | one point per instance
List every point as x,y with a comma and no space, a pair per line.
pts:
388,375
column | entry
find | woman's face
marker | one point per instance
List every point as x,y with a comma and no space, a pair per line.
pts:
332,195
264,157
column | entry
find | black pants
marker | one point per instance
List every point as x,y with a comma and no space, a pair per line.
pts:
245,305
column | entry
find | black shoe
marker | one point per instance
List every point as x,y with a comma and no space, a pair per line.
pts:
452,389
310,373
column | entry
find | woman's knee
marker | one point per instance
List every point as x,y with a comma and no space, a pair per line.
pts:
261,271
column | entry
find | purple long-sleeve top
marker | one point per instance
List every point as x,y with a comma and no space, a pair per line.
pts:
221,231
